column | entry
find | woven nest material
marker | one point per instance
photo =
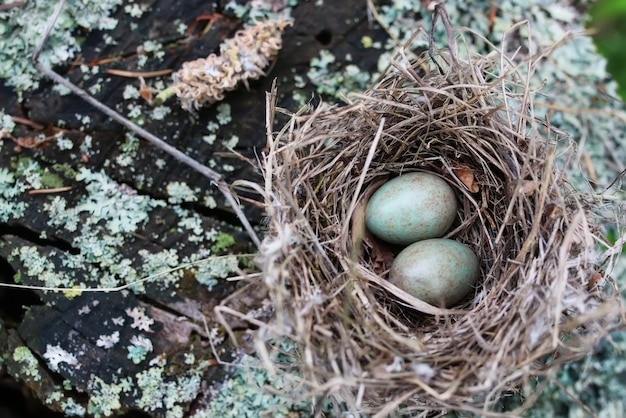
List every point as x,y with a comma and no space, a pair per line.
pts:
543,297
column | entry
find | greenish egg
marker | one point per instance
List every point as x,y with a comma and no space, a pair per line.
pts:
438,271
411,207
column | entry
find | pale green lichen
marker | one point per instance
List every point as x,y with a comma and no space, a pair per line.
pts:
139,348
27,175
157,392
130,92
257,10
336,82
100,221
254,392
163,263
28,363
179,192
135,10
223,116
209,269
10,189
160,112
118,205
104,398
216,268
7,125
21,28
231,143
70,407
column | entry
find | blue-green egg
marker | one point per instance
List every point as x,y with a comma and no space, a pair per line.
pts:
437,271
411,207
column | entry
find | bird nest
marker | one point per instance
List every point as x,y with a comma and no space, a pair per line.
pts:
543,297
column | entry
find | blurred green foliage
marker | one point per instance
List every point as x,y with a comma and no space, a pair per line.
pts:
607,20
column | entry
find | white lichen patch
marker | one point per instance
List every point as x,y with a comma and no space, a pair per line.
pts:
160,112
243,57
108,341
210,202
55,355
141,321
10,189
231,143
70,407
223,114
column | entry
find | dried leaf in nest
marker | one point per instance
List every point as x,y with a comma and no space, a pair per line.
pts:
369,344
466,176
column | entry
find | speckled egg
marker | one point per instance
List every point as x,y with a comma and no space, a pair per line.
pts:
411,207
437,271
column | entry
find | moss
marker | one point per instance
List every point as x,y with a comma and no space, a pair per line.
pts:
223,241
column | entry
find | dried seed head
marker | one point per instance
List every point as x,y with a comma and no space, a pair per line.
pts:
242,57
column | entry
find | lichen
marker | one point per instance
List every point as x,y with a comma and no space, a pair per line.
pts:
336,82
157,392
139,348
6,125
119,206
21,28
70,407
253,392
104,398
28,362
179,192
57,355
141,321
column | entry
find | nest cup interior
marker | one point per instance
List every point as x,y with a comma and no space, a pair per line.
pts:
370,344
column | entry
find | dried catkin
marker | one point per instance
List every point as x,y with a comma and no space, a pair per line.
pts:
242,57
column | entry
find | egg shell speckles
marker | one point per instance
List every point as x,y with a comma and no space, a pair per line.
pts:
411,207
436,271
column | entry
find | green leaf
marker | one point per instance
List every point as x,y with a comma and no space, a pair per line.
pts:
607,17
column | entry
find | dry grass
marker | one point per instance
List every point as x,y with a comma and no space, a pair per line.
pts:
544,297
